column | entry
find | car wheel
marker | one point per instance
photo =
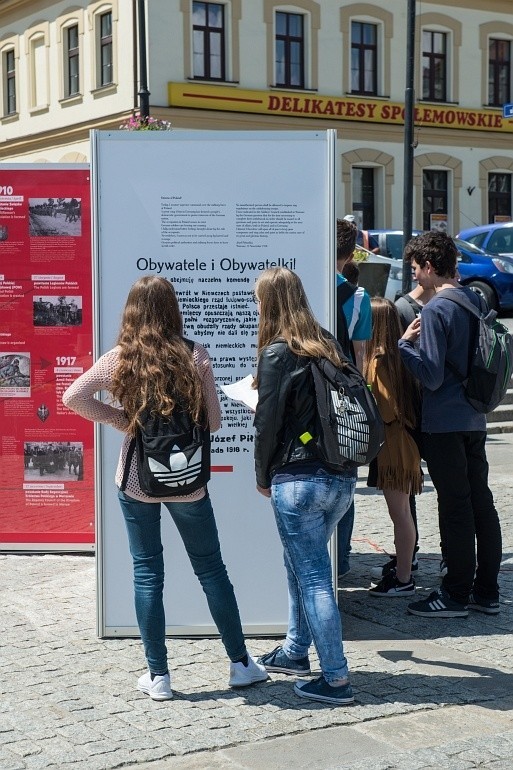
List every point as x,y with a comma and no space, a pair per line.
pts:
486,292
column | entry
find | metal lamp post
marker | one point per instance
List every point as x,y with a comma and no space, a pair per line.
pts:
409,101
143,93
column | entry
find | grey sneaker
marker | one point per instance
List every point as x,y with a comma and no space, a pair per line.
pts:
320,690
279,662
158,688
488,606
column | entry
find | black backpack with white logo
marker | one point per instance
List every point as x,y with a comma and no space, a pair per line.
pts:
490,359
172,453
348,427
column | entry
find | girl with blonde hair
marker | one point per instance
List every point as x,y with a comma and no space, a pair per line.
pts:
153,366
308,498
396,470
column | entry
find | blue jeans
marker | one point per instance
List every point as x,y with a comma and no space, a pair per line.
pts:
307,512
344,534
197,527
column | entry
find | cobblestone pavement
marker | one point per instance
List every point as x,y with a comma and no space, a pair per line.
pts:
430,693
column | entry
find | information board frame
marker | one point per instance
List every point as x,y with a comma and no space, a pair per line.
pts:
46,325
224,183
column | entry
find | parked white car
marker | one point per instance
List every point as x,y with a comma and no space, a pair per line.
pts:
373,280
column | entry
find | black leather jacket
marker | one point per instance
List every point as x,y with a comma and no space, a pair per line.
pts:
285,388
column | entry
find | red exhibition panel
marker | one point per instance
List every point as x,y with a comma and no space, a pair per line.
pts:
46,452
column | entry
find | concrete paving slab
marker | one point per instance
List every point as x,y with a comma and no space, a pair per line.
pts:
317,750
439,727
446,729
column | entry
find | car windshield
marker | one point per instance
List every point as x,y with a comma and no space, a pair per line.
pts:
477,239
460,244
501,241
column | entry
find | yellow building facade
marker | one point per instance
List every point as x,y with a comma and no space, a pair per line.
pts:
268,65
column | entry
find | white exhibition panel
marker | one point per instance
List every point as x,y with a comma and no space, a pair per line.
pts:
208,211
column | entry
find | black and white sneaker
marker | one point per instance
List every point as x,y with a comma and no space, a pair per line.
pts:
488,606
391,587
385,569
438,604
443,568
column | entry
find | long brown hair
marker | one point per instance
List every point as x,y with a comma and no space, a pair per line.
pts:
386,331
156,367
286,313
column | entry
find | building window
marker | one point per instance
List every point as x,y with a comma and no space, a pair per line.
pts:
499,196
290,50
434,66
208,35
72,61
364,50
434,199
499,72
9,83
363,195
106,74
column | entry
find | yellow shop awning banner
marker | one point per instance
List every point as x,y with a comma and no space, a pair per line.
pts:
212,97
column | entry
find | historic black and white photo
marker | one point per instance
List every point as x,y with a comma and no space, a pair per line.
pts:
54,460
57,311
55,216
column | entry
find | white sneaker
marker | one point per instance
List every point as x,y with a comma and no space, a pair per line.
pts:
158,689
242,676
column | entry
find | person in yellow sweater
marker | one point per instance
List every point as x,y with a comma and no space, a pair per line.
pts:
396,470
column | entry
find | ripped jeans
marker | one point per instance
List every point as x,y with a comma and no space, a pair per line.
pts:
307,511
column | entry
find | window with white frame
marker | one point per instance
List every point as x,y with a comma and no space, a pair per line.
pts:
434,65
290,49
208,41
9,81
499,72
71,60
364,192
364,58
105,57
435,197
499,196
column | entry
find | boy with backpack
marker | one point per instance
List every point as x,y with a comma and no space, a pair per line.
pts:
354,328
453,434
353,303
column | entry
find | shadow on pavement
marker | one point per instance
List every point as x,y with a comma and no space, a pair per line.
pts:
466,683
